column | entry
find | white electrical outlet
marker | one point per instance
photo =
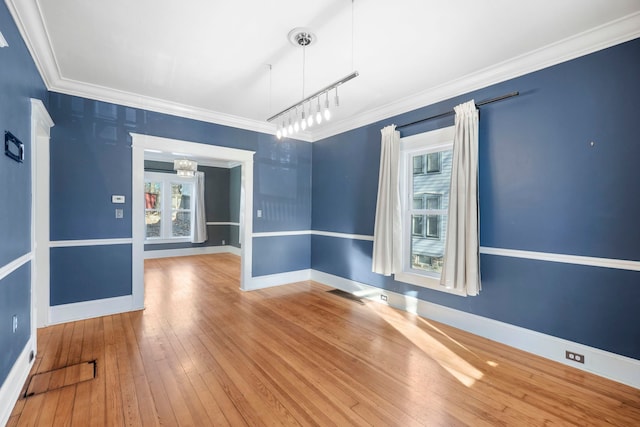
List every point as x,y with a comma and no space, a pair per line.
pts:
259,213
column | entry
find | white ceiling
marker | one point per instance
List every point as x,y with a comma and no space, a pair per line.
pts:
207,59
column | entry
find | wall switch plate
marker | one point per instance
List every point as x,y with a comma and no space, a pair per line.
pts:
117,199
119,213
259,213
14,323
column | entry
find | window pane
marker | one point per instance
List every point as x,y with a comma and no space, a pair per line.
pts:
153,223
427,250
433,226
180,196
418,164
433,162
181,223
417,222
152,192
418,202
435,184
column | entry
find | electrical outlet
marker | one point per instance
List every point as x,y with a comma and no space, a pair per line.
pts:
383,297
574,356
14,323
119,213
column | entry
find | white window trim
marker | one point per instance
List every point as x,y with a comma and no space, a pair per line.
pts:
436,140
168,178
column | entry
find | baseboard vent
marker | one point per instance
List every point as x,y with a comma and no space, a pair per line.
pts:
346,295
61,377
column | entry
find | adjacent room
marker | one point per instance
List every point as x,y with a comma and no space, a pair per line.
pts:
347,212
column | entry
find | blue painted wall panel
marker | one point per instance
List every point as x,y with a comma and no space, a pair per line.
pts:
280,254
91,160
15,299
552,298
543,187
19,81
84,273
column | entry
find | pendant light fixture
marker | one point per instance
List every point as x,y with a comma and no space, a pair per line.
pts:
185,168
303,37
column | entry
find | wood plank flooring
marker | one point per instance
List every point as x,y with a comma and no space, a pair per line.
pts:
205,353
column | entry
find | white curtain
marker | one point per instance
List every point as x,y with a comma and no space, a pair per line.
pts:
200,217
461,270
388,229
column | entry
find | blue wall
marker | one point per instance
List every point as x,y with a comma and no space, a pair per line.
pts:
542,188
91,160
19,81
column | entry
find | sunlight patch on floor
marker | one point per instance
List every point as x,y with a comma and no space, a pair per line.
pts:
457,366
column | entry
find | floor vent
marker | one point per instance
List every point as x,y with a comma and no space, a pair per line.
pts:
61,377
346,295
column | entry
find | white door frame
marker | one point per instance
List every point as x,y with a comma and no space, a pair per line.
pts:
140,143
41,124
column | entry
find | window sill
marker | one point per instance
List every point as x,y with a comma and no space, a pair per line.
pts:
425,282
165,241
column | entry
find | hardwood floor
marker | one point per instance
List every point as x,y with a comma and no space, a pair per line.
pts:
205,353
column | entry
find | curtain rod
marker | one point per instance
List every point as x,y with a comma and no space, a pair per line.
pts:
448,113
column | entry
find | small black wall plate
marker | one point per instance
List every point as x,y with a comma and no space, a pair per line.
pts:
13,147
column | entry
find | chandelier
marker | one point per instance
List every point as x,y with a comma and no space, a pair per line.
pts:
185,168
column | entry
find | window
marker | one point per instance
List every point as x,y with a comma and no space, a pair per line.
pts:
168,202
424,225
426,161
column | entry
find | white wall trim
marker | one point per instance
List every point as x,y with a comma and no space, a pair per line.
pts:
12,386
237,224
281,233
14,265
314,233
205,250
562,258
342,235
89,242
41,124
90,309
606,364
271,280
27,15
595,39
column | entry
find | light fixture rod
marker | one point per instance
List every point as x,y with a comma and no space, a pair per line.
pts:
315,94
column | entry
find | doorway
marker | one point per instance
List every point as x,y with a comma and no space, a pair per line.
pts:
244,158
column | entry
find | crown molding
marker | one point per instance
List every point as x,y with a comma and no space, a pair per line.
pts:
26,14
598,38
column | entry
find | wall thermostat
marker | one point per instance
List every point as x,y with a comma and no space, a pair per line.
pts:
117,199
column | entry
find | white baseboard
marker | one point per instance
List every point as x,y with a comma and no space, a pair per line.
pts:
603,363
204,250
261,282
89,309
12,386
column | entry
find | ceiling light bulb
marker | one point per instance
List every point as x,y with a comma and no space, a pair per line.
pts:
318,114
284,130
327,112
279,133
310,118
290,128
303,122
296,126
